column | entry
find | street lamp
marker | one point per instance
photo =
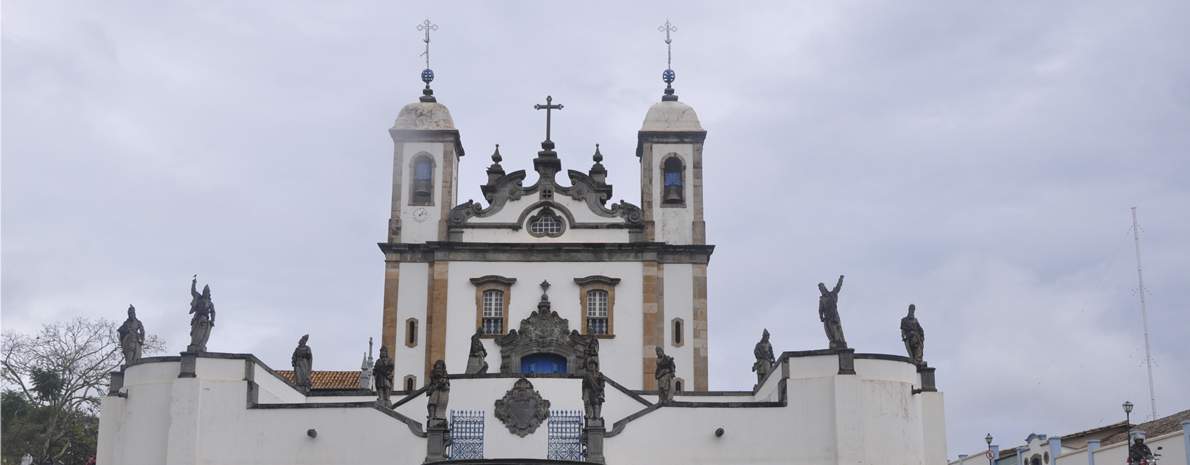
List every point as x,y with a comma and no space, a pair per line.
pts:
1128,422
990,455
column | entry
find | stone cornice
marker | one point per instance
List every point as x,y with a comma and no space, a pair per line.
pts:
428,135
597,279
547,252
493,279
668,137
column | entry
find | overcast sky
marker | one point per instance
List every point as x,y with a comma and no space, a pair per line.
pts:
978,160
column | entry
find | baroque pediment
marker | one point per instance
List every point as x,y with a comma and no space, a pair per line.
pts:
508,191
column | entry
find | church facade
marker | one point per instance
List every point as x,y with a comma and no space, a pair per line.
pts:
634,277
544,324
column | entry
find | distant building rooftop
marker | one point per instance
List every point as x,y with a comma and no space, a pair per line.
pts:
328,379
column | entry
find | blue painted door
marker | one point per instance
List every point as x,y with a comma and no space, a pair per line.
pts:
543,363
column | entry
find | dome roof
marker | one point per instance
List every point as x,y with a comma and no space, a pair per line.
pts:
671,116
424,115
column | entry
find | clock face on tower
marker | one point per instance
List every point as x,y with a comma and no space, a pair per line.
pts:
420,215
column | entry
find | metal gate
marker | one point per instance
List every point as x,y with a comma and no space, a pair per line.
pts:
466,434
565,435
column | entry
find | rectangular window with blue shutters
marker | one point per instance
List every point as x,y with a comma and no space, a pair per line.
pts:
565,435
466,434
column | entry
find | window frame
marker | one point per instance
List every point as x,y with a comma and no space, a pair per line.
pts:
413,178
598,283
416,328
677,336
405,382
546,211
492,283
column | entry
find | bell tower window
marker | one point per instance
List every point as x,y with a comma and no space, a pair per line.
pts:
673,182
423,180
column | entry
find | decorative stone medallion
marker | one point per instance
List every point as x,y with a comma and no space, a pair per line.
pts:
522,409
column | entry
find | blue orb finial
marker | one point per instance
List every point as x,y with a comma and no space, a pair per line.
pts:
668,76
427,75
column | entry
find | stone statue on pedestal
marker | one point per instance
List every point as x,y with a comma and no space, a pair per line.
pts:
303,362
132,337
665,377
204,317
476,362
593,384
438,393
382,376
828,313
764,357
914,336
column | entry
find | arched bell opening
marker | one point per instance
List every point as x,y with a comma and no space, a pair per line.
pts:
423,180
673,181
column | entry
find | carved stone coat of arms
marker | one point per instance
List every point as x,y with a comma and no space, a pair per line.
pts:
522,409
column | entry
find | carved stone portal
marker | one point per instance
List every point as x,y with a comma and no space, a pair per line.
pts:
543,332
522,409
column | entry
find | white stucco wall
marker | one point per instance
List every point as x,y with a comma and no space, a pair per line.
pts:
412,302
830,419
522,235
679,303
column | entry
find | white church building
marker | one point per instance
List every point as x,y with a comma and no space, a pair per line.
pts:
540,271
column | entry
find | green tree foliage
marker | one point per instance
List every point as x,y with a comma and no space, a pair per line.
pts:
53,382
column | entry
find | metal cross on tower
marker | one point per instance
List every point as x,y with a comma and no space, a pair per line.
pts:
667,28
547,107
426,26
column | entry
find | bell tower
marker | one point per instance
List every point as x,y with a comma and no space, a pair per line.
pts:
669,145
426,153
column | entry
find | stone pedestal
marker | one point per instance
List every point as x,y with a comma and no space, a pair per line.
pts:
189,364
846,361
927,378
593,440
437,438
116,384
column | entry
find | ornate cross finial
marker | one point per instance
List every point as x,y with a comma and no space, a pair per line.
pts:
545,286
547,107
426,26
667,28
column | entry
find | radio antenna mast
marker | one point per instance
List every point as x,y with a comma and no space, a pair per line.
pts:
1144,315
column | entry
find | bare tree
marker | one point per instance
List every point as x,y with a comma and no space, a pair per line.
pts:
64,368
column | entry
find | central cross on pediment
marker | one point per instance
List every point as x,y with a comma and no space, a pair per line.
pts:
547,107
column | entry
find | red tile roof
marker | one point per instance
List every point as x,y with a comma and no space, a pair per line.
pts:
1154,428
328,379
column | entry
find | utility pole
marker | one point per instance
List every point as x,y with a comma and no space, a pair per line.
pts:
1144,315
